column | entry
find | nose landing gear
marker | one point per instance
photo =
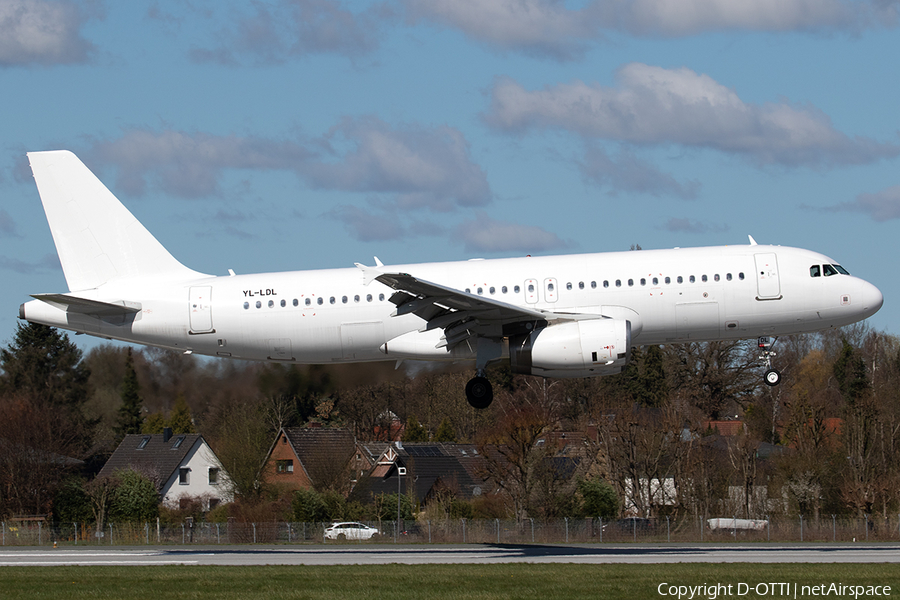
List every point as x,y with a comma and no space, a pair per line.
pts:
772,377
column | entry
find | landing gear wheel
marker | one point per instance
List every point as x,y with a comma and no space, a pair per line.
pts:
479,392
772,377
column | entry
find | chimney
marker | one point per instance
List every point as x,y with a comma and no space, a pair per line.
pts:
167,434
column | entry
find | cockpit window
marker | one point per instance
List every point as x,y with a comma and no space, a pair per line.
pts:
815,271
841,269
829,270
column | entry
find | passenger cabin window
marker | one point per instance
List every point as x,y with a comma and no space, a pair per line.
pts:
308,301
320,301
815,271
516,289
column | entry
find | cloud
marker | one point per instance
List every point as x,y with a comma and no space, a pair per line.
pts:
425,167
628,173
190,164
684,225
550,29
7,225
48,263
663,18
652,105
881,206
483,234
366,226
294,28
42,32
413,166
542,28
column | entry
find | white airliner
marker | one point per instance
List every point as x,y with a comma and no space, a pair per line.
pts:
554,316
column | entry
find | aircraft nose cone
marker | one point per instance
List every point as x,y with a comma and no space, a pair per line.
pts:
873,299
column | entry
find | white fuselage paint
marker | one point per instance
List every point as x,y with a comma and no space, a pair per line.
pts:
737,292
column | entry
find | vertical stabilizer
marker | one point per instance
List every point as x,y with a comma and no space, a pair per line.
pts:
97,238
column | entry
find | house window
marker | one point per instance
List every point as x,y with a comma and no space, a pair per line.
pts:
184,476
177,442
284,466
143,443
213,476
213,502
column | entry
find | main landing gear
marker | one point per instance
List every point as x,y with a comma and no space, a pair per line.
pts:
772,377
479,391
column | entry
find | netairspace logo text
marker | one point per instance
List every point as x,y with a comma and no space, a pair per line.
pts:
713,591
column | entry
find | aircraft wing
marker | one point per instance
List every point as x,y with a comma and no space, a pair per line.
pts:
461,314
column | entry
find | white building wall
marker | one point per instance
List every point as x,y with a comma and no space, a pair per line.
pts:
199,460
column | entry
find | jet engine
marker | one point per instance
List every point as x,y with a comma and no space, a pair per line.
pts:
585,348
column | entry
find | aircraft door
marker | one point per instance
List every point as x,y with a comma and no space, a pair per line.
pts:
767,282
531,291
551,289
201,309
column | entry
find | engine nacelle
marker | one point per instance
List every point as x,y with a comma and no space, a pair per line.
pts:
573,349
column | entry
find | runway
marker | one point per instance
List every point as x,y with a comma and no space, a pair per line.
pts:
350,554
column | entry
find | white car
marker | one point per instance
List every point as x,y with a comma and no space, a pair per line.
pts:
350,531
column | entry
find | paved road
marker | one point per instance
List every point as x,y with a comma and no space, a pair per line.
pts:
350,554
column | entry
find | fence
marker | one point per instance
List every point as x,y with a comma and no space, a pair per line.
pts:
461,531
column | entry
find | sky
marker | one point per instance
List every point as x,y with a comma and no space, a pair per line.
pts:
301,134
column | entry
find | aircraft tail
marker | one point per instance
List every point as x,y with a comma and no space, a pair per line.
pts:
98,240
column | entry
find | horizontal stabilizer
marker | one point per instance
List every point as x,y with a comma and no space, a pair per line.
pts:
83,306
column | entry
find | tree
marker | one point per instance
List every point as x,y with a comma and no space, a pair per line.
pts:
859,430
42,366
414,432
307,506
598,499
445,432
130,412
134,499
43,363
180,418
154,423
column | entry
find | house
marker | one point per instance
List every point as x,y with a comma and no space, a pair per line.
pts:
183,467
432,469
313,457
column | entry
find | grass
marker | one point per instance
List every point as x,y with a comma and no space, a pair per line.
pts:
417,582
